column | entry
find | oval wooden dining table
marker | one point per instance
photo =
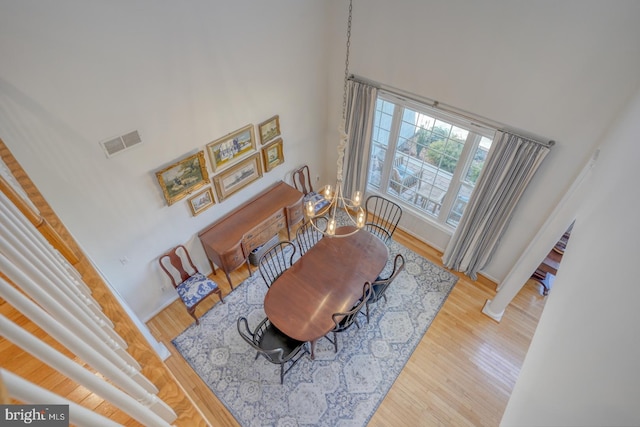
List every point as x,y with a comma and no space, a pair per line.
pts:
327,279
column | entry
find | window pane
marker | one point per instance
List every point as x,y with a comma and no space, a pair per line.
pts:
462,198
380,141
479,157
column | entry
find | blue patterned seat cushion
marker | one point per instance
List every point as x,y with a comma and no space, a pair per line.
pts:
318,199
195,288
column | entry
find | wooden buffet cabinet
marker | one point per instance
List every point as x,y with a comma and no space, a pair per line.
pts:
229,241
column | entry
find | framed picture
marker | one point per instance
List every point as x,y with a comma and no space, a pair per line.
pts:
229,149
269,129
238,176
201,201
272,154
183,177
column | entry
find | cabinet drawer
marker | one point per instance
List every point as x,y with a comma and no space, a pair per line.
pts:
259,229
295,213
268,230
232,258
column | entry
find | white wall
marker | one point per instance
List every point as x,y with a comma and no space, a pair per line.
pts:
559,70
183,74
582,365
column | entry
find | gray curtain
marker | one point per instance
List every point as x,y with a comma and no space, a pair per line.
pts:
510,166
360,112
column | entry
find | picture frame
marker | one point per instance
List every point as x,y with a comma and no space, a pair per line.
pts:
231,148
269,129
272,155
238,177
183,177
201,201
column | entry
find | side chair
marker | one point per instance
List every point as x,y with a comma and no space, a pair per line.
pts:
272,344
276,260
302,182
192,286
344,320
382,216
379,287
307,235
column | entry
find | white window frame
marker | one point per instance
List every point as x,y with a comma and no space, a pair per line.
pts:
476,132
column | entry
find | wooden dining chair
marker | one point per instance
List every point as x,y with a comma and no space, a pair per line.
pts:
272,344
276,260
343,321
307,235
302,182
192,286
379,286
383,217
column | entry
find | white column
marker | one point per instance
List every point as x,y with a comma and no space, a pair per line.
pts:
550,232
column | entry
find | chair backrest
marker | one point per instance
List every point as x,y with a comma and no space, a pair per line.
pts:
379,287
276,260
254,338
307,235
302,180
344,320
178,265
383,217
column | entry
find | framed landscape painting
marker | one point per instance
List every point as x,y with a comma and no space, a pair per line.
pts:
201,201
269,129
238,176
183,177
272,155
229,149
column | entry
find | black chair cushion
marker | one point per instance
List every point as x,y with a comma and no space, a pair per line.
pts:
272,338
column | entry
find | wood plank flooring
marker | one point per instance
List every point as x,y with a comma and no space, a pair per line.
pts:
462,372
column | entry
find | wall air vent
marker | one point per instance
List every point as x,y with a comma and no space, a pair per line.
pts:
121,143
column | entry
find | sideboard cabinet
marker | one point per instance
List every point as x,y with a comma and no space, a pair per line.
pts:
229,241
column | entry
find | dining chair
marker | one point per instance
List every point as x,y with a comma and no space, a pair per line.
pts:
192,286
276,260
379,287
307,235
272,344
302,182
344,320
383,217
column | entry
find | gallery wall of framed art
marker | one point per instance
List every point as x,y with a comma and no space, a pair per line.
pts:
235,160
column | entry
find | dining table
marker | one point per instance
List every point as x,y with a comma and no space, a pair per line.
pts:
329,278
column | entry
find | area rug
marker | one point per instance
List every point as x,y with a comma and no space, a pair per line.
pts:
335,389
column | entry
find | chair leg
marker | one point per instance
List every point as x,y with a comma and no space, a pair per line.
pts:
192,312
219,293
335,342
281,373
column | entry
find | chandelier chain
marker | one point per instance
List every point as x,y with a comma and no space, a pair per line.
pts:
352,207
346,64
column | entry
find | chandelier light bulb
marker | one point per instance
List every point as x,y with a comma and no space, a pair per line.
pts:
357,199
360,219
331,227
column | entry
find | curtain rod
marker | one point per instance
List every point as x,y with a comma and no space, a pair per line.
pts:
479,121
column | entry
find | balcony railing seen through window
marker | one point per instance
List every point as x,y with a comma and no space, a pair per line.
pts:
426,159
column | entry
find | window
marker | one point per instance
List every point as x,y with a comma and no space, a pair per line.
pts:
426,159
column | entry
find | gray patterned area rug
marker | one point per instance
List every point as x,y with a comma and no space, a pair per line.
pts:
342,389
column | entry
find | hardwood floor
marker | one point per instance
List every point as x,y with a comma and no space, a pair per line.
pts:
461,374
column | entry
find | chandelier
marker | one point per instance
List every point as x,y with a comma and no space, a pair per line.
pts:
352,208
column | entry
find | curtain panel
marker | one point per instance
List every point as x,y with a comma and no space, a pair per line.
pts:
510,167
360,113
